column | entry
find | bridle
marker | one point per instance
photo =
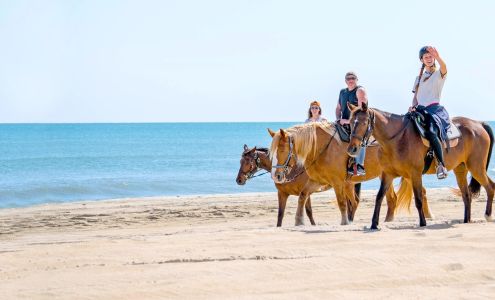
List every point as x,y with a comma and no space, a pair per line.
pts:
255,167
369,130
286,168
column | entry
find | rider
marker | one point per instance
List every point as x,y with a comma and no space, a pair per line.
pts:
427,92
314,113
356,95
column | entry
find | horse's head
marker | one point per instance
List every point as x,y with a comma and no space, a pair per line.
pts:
282,155
249,165
361,127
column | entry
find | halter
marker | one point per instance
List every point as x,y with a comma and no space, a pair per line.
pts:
286,166
367,135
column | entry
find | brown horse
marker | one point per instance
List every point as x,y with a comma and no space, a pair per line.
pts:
402,154
319,149
256,159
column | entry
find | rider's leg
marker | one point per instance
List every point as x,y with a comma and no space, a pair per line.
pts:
360,159
432,136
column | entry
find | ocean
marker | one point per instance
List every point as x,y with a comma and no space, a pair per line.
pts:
43,163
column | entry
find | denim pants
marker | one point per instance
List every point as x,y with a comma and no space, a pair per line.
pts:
361,155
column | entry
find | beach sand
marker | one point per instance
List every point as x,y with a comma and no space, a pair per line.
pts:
227,247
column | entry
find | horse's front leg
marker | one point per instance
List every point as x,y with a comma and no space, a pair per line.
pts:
417,182
386,181
342,202
301,203
282,201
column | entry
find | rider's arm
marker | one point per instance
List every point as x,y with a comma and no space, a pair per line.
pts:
338,111
443,66
361,95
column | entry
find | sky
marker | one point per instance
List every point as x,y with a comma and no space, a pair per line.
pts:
234,61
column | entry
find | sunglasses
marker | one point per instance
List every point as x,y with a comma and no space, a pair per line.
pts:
315,107
350,78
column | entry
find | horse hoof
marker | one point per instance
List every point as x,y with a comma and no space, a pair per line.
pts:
488,218
374,228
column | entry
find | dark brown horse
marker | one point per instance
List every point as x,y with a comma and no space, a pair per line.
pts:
256,159
319,149
402,153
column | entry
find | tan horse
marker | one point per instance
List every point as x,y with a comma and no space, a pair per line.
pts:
319,149
402,154
255,159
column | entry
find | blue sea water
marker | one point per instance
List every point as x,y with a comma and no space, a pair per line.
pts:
42,163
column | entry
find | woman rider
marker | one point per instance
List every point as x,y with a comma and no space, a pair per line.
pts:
314,113
427,92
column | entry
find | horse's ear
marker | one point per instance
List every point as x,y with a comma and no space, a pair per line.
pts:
246,148
364,106
253,150
283,134
271,132
351,106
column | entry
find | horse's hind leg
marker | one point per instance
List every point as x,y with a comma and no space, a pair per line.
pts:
282,202
461,176
479,173
309,211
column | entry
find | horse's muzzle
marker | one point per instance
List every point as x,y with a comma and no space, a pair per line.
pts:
278,177
240,180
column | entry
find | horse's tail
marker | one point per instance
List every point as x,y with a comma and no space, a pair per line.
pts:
474,185
404,195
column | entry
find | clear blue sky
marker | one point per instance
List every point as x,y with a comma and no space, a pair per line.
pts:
168,61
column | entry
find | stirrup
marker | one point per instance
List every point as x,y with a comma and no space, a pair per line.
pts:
442,172
356,170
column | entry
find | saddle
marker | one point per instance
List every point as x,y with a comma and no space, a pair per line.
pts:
453,132
344,132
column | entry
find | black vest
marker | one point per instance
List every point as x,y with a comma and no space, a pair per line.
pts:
347,96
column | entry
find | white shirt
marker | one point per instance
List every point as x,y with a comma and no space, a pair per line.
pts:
430,90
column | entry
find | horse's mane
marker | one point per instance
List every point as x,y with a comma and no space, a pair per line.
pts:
261,149
389,115
305,139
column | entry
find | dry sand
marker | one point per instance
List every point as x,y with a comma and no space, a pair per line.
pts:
227,247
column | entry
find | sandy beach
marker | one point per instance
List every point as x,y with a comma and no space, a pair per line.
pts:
227,247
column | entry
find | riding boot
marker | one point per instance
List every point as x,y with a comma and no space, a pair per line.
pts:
437,149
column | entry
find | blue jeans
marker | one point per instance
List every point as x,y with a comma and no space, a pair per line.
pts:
361,155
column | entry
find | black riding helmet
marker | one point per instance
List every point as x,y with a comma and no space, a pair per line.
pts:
423,51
